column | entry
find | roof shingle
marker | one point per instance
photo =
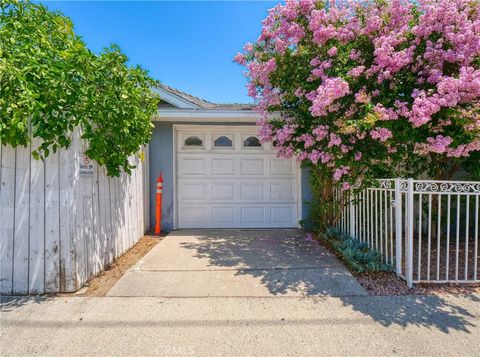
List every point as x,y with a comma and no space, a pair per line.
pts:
204,104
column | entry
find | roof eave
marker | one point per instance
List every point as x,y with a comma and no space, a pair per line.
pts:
206,115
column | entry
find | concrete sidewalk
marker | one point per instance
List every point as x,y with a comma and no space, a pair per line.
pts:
237,263
267,326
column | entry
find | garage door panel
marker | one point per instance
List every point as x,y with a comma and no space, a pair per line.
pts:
282,215
252,191
223,191
223,166
282,191
193,191
194,215
252,215
252,166
193,166
282,167
223,216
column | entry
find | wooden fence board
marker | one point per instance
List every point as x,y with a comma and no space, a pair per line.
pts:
37,224
129,208
96,238
22,217
7,218
103,207
79,241
67,278
114,221
56,220
146,189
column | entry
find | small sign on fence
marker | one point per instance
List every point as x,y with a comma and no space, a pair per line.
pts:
86,167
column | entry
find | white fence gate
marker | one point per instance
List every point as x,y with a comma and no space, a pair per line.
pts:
428,230
60,227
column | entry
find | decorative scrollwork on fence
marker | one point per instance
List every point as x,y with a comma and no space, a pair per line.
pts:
403,185
386,184
454,187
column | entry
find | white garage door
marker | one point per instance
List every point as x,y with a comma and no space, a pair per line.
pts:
227,179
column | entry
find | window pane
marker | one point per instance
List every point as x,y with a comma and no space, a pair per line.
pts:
193,141
252,141
222,141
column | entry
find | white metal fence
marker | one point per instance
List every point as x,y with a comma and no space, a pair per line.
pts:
428,230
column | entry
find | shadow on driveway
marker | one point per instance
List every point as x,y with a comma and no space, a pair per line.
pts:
297,265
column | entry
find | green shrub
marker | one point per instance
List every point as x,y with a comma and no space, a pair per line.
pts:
51,84
355,254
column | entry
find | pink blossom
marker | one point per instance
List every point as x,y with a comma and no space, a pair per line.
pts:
299,92
340,172
355,54
325,157
438,145
362,97
285,152
314,156
240,58
303,155
385,113
332,51
382,134
285,133
308,140
265,130
330,90
335,140
356,71
464,150
350,111
345,186
423,108
315,62
320,132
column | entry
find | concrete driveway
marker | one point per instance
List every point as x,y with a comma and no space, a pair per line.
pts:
237,263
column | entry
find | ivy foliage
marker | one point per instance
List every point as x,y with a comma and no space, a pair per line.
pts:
51,84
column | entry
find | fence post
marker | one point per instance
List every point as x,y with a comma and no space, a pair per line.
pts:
409,233
398,227
352,217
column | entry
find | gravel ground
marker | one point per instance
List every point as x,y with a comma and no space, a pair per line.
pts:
101,284
388,284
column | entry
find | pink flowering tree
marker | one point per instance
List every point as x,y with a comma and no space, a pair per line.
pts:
370,89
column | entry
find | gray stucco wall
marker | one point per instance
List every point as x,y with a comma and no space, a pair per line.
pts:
161,160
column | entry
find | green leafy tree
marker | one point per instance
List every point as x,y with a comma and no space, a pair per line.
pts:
51,83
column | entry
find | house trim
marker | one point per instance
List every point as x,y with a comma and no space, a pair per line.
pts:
174,99
202,115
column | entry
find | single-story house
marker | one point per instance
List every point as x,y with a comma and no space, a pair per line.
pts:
216,172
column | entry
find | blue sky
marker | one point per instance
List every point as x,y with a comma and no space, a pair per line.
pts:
187,45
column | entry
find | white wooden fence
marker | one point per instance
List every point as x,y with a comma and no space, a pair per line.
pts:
428,230
58,229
